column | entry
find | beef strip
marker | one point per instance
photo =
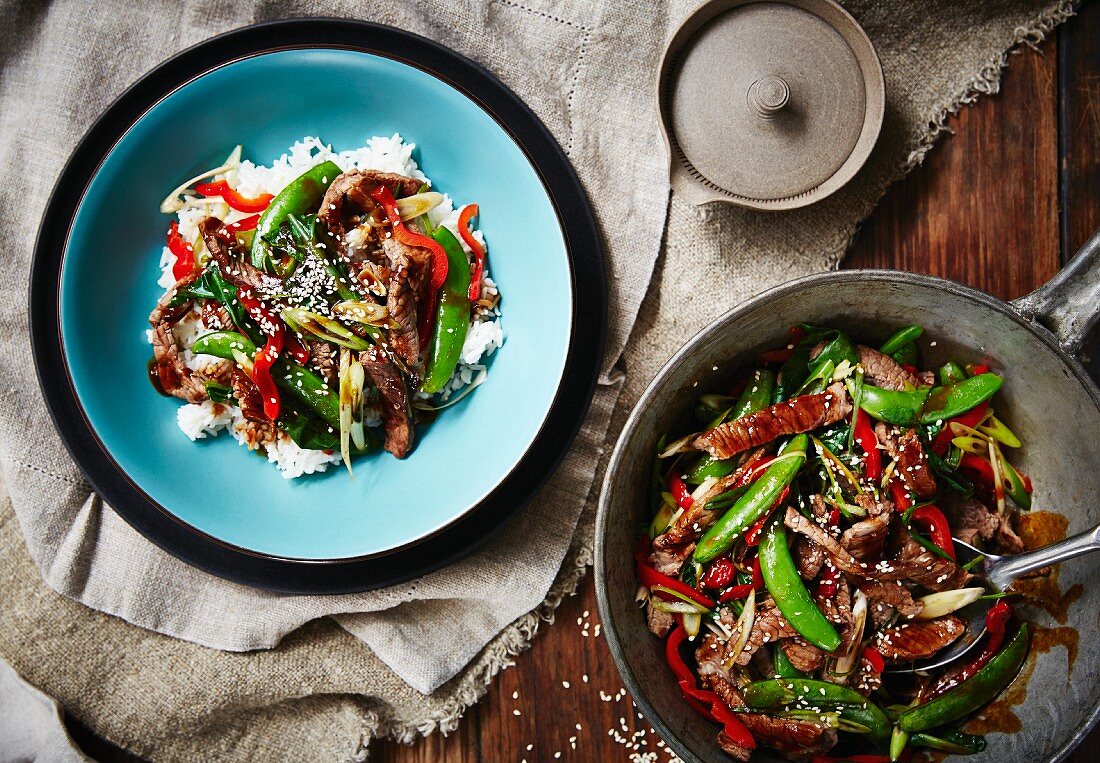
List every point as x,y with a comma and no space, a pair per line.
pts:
323,359
917,640
886,598
883,371
238,272
348,201
795,739
975,524
407,289
659,622
930,569
396,412
799,414
768,626
913,466
249,399
837,607
808,557
865,539
727,745
173,374
216,317
802,655
866,680
709,656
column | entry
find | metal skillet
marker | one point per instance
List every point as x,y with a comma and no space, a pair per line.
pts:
1048,397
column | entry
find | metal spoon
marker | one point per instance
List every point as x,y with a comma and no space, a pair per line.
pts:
997,573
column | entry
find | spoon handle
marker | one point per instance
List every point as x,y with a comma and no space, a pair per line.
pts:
1012,567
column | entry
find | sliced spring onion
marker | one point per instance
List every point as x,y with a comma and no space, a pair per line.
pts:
243,360
369,313
662,520
692,623
703,489
847,661
679,446
677,595
998,477
744,625
358,376
996,429
307,322
641,596
945,602
679,607
418,204
173,203
838,470
476,382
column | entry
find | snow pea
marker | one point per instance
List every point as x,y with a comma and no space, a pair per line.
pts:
783,582
754,503
783,666
904,336
946,402
972,693
301,196
953,741
951,373
299,381
452,314
756,397
906,355
891,406
853,706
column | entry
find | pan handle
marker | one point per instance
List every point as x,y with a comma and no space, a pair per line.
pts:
1068,304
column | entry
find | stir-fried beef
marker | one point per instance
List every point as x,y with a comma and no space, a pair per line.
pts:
768,626
215,317
795,739
659,622
883,371
407,289
930,569
808,557
975,524
323,359
799,414
866,680
238,272
866,538
727,745
396,415
893,597
913,466
837,606
802,655
173,375
348,202
249,399
709,656
917,640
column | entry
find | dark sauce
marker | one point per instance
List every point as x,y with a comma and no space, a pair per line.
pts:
154,376
1037,529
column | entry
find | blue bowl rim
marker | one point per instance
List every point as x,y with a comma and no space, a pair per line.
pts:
567,410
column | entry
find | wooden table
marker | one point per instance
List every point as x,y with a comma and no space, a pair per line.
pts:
999,206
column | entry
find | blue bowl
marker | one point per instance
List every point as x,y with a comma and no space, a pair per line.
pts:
227,496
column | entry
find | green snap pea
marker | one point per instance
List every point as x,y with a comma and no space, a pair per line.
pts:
789,592
904,336
300,197
852,705
947,402
951,373
753,504
906,354
452,314
299,381
953,741
972,693
783,666
891,406
756,397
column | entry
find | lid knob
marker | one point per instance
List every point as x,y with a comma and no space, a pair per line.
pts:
768,96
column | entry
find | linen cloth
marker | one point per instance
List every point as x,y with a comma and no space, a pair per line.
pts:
586,68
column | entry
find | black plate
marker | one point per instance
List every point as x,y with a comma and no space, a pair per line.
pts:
566,413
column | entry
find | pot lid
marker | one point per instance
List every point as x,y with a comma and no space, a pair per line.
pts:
771,105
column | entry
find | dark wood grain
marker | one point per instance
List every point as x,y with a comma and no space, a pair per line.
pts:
997,205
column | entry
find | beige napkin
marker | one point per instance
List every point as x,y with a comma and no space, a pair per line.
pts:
586,68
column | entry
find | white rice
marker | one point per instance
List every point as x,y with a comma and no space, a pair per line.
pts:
383,154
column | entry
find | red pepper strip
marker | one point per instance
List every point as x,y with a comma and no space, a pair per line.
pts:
834,517
875,658
1026,480
679,490
295,349
383,196
757,577
752,471
979,468
732,725
996,621
468,212
672,654
649,577
850,758
737,592
185,253
830,578
971,418
272,325
900,495
232,229
774,356
752,537
234,199
979,369
865,436
910,368
719,574
425,320
932,520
